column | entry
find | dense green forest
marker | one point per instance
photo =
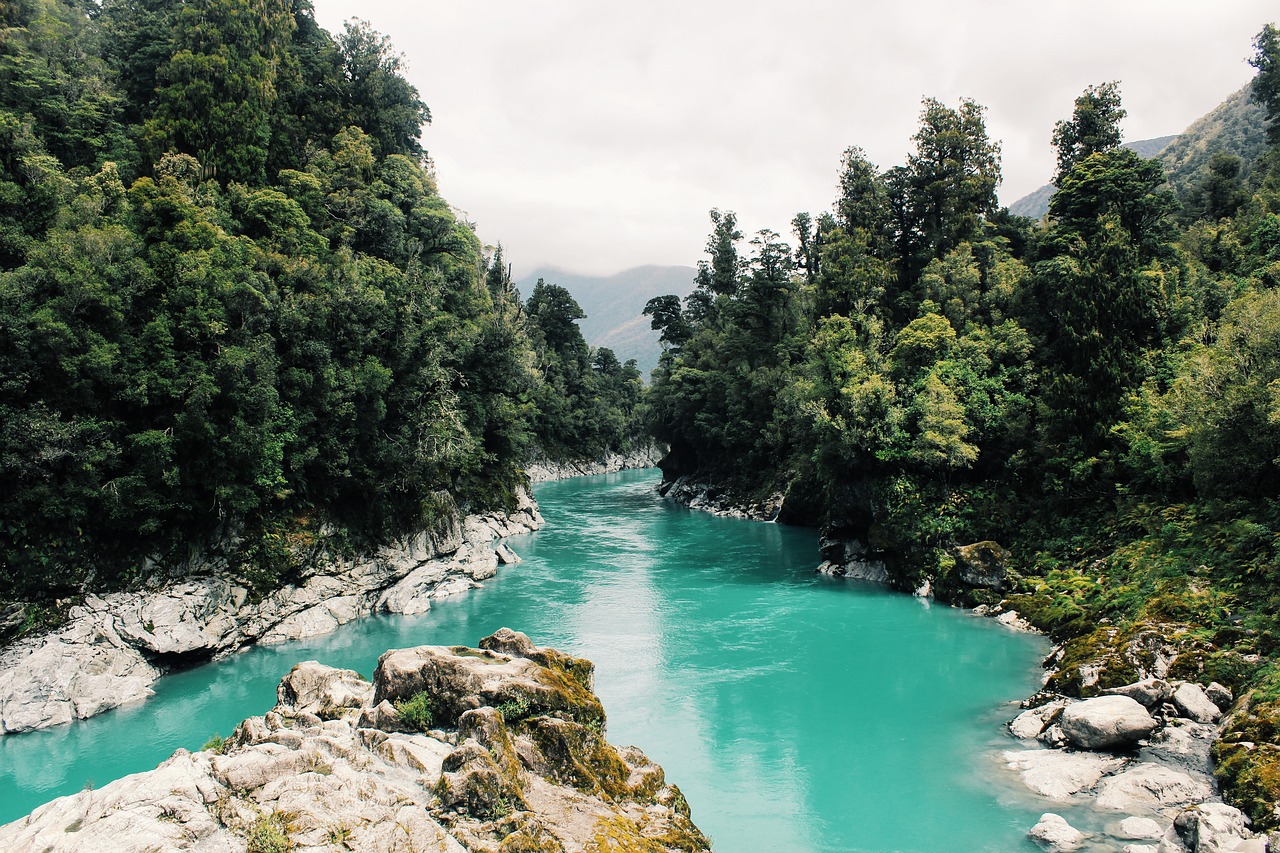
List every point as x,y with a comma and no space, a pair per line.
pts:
1099,391
234,309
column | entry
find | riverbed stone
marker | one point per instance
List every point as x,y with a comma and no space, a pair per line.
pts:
1183,744
1220,696
1150,692
1054,833
1212,828
1145,786
1058,774
983,565
1139,829
1031,723
1106,723
1192,703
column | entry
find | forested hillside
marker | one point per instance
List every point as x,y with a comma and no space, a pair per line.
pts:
234,309
1098,392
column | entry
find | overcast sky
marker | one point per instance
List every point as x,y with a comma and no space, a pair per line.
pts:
595,136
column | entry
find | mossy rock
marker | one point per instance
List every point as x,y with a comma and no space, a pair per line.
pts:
578,756
1247,762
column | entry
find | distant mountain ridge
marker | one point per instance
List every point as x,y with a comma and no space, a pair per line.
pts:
1036,204
614,306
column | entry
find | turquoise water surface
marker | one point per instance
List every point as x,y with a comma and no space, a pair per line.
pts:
797,713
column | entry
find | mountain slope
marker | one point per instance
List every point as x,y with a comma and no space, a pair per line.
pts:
613,305
1236,126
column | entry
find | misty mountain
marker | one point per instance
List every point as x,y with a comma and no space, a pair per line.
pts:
613,305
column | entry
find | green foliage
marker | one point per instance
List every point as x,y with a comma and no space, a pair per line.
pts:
270,834
415,711
1094,128
279,327
217,744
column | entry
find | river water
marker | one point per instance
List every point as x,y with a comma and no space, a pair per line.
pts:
798,713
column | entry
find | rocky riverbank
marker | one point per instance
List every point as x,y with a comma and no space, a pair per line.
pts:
1137,759
499,749
1133,767
543,470
113,648
708,497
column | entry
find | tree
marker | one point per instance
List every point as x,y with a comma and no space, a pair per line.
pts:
216,92
1094,128
1265,88
667,319
952,177
379,99
720,276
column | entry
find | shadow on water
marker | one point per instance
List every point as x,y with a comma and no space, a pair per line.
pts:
797,713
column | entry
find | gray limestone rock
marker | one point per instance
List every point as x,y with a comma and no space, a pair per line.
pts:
1212,828
1150,692
1145,786
1220,696
1139,829
1058,774
1054,833
1192,703
1031,723
1107,723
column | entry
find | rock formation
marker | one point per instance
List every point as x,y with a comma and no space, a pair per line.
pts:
113,648
513,760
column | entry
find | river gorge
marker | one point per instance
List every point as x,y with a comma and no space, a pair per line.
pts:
797,712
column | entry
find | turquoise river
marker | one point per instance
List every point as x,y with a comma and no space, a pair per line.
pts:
797,713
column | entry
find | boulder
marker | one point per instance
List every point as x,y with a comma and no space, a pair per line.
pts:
458,679
1220,696
323,690
1054,833
1183,744
1212,828
1057,774
1139,829
1106,722
1145,786
1031,723
983,564
1192,703
1150,692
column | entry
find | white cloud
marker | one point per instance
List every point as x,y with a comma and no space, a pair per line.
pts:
595,136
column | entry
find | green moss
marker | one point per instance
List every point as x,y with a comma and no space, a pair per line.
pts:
579,757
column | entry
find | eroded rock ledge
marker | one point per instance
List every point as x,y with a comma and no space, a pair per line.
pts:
544,470
515,761
113,648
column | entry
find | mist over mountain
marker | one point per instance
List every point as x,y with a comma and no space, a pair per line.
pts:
613,305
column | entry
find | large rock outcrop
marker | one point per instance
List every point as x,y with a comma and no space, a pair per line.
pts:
531,774
113,648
